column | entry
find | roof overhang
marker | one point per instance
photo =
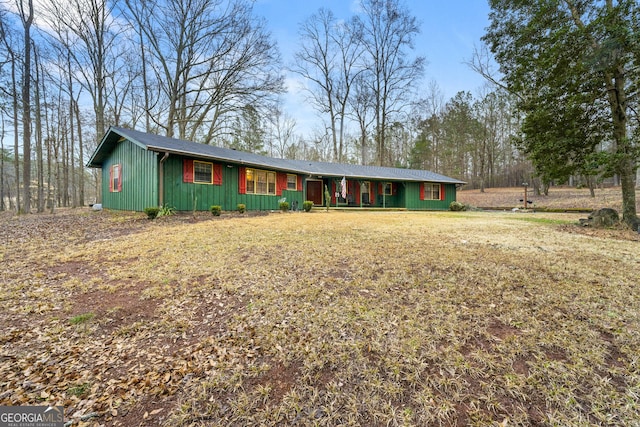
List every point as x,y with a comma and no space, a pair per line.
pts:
160,144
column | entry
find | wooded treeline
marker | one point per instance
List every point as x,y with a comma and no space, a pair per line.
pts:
210,71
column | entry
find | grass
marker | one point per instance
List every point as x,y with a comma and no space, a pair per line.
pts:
335,318
81,318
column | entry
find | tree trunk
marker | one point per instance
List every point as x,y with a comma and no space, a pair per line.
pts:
626,165
65,170
16,131
629,214
2,207
80,155
39,154
50,201
26,107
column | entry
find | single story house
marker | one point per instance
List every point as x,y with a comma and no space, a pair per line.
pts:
142,170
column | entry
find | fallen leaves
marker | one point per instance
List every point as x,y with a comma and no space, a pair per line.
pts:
326,318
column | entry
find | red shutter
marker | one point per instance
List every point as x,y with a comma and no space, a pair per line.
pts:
111,179
333,192
187,170
441,191
119,177
422,191
394,188
379,188
217,174
299,182
242,180
281,183
357,192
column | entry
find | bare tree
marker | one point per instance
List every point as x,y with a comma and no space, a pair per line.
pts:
80,170
26,16
282,131
12,58
210,58
388,31
5,59
361,109
2,155
428,127
329,58
88,31
38,128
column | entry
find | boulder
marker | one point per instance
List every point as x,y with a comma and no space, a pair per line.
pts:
605,217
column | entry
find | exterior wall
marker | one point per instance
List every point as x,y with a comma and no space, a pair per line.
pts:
395,200
139,178
140,171
183,195
413,202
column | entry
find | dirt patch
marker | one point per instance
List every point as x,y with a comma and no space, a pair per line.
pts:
279,379
115,309
501,330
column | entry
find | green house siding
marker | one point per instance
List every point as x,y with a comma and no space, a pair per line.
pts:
395,200
139,183
183,196
413,202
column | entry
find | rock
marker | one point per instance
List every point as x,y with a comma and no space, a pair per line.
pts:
605,217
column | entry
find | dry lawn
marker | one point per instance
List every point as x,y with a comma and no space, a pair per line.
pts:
558,198
338,318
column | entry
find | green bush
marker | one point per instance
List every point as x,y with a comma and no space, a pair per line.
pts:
166,211
152,212
215,210
307,205
284,206
457,206
242,208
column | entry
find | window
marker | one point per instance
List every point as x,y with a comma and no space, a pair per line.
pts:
115,178
365,189
431,191
260,182
292,182
250,182
202,172
388,189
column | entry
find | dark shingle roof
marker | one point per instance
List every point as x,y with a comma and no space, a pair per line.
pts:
159,143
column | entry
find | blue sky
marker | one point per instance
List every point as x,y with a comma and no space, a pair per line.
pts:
449,31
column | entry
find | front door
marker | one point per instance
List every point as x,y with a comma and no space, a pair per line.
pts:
314,192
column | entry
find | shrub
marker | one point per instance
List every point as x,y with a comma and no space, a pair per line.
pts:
457,206
152,212
307,205
215,210
166,211
242,208
284,206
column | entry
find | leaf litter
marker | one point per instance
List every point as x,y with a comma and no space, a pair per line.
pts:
354,318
